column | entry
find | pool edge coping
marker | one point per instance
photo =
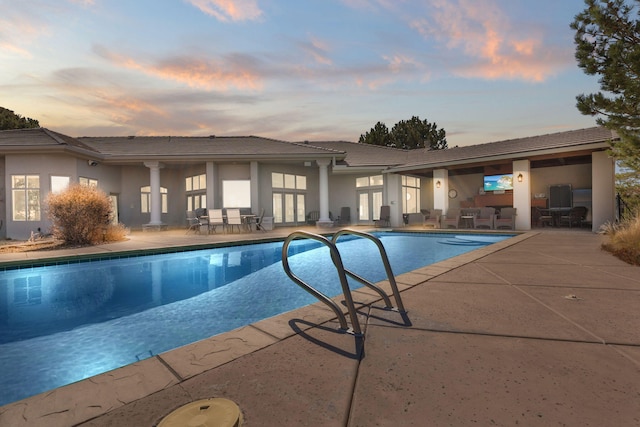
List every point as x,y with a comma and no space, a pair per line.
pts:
138,380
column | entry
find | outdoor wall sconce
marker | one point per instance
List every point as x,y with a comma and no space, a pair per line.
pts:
438,184
519,177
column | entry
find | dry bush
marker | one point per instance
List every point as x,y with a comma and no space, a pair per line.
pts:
81,215
115,233
624,240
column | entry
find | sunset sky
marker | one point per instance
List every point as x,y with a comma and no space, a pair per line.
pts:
484,70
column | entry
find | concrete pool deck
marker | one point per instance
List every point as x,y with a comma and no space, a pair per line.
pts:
541,329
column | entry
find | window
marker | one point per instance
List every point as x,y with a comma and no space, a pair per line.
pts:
89,182
236,194
26,197
196,201
289,197
410,194
288,181
369,181
145,199
59,183
196,182
196,194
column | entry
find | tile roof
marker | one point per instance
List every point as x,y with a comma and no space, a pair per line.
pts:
575,140
40,138
218,146
347,154
362,155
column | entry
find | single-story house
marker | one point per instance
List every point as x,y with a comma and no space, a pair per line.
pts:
153,181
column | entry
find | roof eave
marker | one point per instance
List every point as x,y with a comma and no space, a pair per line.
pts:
508,156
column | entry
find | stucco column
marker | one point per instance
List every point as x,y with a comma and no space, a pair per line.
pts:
393,197
212,178
255,188
603,192
522,193
156,197
323,192
441,190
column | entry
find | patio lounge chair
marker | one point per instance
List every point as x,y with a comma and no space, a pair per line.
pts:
385,217
506,219
485,218
432,217
451,219
215,219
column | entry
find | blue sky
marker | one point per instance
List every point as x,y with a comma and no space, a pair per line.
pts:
484,70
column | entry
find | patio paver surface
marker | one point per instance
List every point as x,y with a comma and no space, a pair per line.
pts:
541,331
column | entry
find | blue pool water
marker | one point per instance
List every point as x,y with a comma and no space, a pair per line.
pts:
64,323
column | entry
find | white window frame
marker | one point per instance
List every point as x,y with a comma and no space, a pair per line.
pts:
236,193
410,190
145,199
88,182
59,183
28,196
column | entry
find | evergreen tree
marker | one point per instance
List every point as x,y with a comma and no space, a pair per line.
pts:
608,45
407,134
10,120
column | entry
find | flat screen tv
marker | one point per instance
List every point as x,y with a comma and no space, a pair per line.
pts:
498,182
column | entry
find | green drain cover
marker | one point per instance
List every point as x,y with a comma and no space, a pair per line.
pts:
215,412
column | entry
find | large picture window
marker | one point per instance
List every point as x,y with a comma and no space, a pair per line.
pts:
236,193
25,191
410,194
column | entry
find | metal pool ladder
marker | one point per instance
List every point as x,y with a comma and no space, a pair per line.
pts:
342,274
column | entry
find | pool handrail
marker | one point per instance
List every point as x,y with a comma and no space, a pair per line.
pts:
337,261
387,267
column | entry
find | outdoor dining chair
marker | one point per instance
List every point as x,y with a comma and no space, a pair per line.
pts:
385,217
215,219
234,219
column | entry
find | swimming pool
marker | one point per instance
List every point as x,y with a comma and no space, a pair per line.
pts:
61,324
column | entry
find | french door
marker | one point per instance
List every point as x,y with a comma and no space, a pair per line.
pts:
369,202
289,208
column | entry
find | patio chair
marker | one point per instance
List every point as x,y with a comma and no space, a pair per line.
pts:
259,219
234,219
485,218
542,217
193,222
313,217
215,219
506,219
345,216
576,215
432,217
385,217
451,219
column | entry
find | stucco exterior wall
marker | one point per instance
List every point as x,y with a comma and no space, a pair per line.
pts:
45,166
579,176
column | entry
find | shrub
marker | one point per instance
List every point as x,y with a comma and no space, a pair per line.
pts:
624,239
82,215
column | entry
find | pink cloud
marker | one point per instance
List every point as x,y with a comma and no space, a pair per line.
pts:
318,50
225,10
485,34
200,73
